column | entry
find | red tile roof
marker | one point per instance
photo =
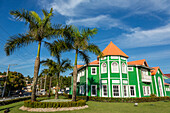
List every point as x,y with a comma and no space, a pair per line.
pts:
167,75
112,49
79,66
138,62
155,69
94,62
166,83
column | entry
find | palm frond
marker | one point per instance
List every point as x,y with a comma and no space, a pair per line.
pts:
94,49
34,15
17,41
84,56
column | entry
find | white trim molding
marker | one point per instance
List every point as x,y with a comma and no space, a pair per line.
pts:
108,75
86,81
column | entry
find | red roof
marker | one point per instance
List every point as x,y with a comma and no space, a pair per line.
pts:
155,69
94,62
112,49
138,62
166,84
167,75
79,66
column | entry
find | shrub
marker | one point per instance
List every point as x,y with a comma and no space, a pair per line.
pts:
13,100
37,104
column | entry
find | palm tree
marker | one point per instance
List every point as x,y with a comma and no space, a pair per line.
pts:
56,48
44,73
57,67
39,30
79,41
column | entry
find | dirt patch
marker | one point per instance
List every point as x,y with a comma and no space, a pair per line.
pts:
52,109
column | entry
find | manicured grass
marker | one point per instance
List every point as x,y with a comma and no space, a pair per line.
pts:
103,107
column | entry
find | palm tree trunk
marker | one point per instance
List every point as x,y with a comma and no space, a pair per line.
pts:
45,81
57,86
36,70
75,78
50,87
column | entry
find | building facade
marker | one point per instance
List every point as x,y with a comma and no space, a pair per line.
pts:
113,76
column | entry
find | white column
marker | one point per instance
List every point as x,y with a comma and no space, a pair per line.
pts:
86,80
120,77
100,80
138,81
108,75
156,86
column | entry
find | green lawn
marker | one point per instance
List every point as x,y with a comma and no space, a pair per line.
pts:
102,107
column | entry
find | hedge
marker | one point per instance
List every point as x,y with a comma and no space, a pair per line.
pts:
37,104
128,100
5,102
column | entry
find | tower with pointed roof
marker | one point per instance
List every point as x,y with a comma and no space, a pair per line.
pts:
112,76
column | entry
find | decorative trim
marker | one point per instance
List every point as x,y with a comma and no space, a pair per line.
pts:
138,81
115,81
104,81
114,57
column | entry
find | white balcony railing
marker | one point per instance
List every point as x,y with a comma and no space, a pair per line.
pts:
146,78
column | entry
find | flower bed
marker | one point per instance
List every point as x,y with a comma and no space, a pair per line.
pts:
37,104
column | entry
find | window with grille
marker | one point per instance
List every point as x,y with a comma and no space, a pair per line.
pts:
132,91
125,91
93,71
104,87
116,91
94,90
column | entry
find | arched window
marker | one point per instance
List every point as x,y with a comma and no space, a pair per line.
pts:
103,68
115,67
123,68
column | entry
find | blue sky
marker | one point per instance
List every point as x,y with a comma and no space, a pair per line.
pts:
141,28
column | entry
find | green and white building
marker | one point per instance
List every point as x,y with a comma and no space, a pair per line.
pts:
113,76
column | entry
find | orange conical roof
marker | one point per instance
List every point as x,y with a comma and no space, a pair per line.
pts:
112,49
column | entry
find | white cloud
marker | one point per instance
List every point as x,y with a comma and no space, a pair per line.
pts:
145,38
101,21
82,7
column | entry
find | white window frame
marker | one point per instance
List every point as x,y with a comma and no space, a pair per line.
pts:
125,71
113,90
102,68
116,67
95,70
103,91
81,89
82,73
129,68
148,92
95,89
134,91
126,90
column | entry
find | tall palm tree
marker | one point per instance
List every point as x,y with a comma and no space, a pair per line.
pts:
44,73
79,42
39,30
